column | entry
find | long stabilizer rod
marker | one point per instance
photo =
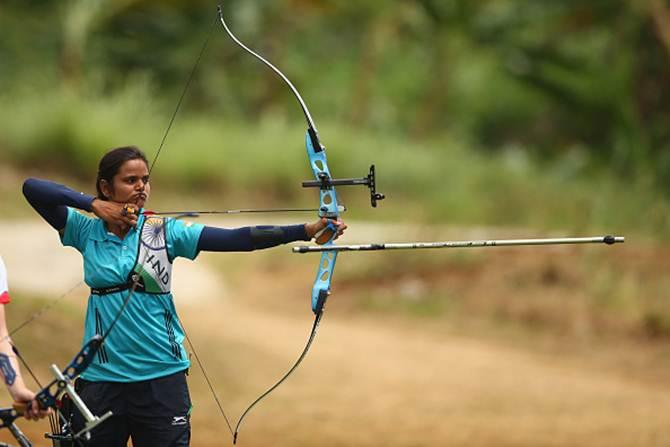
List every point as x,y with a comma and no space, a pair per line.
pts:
609,240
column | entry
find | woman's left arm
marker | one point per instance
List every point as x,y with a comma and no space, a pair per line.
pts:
259,237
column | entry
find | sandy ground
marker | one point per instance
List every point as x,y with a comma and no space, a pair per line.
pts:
367,381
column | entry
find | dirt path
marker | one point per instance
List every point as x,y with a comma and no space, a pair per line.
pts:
370,382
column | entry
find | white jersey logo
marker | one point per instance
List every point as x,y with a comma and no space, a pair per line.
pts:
153,263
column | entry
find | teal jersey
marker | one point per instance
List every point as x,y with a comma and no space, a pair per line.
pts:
147,341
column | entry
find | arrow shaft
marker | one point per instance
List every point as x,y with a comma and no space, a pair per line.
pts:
240,211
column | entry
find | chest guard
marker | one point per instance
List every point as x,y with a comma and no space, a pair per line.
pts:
153,268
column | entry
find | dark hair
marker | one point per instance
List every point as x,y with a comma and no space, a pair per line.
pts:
111,162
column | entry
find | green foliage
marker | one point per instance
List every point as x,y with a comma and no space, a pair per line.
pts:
62,129
439,181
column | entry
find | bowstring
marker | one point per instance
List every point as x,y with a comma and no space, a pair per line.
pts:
209,383
153,163
40,312
182,96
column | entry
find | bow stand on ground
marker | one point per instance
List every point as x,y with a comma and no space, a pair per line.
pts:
52,397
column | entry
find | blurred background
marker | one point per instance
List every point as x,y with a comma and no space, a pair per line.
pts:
505,118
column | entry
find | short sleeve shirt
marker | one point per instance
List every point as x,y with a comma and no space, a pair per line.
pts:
4,288
147,341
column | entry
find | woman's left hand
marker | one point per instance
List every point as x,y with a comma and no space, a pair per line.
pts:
321,233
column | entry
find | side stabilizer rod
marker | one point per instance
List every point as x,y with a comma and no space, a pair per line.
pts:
326,183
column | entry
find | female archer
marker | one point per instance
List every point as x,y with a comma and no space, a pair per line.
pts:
139,372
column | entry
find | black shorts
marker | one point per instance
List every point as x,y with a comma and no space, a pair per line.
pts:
154,413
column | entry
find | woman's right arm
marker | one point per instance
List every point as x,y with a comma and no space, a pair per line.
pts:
51,200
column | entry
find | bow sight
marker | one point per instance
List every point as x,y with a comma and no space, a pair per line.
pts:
325,182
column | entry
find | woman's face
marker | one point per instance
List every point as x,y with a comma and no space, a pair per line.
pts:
129,185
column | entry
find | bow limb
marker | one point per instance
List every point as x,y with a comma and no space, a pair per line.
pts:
328,208
316,153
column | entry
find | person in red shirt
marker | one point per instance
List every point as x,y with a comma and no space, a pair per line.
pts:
9,366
